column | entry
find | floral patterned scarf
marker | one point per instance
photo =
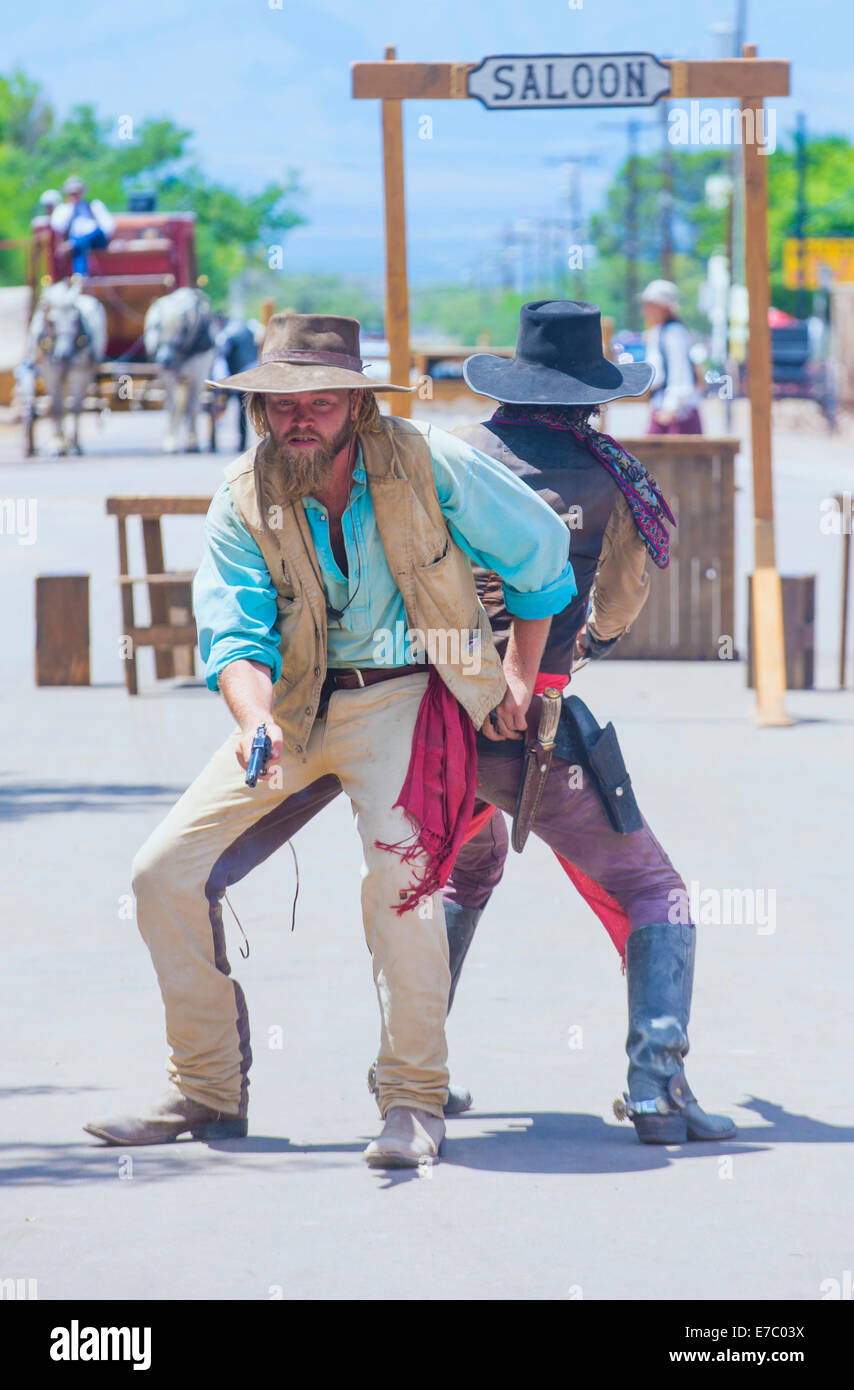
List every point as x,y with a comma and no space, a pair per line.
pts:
640,490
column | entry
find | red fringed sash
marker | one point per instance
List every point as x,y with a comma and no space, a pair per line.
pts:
438,794
438,797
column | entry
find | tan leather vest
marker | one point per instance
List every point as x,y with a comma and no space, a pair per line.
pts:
434,577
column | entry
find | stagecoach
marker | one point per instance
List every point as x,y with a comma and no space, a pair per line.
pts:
150,254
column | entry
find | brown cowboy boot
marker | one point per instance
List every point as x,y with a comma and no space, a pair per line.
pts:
411,1138
174,1115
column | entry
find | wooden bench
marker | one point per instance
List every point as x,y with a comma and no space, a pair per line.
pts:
172,631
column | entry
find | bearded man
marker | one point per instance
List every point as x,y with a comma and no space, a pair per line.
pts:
340,526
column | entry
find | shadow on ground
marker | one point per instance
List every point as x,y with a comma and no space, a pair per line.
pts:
523,1142
566,1143
21,799
16,1092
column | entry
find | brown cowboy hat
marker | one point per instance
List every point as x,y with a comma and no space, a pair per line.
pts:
307,352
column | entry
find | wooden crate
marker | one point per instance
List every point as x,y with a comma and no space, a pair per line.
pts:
798,629
690,608
62,629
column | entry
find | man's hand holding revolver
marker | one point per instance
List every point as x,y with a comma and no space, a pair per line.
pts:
248,690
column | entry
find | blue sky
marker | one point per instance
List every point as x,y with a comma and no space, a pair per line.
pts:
265,89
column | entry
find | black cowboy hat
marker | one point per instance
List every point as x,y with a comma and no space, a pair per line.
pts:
558,361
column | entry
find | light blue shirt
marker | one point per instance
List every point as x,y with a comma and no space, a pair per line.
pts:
496,519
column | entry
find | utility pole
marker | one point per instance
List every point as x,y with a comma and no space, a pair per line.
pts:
802,301
666,198
738,271
577,223
524,239
634,130
573,165
632,230
507,272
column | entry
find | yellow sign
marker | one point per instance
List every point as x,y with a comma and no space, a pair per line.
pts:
826,258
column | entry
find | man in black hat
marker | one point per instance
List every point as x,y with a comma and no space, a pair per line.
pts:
574,793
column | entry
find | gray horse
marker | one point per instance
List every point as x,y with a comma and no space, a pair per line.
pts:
178,336
67,342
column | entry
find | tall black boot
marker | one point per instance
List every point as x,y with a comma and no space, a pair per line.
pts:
660,977
460,923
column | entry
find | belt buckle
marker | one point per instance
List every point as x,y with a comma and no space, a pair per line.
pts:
353,671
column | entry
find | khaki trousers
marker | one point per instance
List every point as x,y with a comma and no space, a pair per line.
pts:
221,828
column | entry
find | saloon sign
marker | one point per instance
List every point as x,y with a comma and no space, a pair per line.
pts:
512,83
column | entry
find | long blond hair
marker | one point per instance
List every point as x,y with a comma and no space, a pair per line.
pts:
368,419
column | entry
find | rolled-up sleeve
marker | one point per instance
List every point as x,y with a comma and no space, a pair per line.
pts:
621,586
234,600
502,525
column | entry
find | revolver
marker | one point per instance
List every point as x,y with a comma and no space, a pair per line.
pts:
259,755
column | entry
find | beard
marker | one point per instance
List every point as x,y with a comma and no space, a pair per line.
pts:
292,472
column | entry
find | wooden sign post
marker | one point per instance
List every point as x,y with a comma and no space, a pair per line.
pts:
769,642
396,277
514,82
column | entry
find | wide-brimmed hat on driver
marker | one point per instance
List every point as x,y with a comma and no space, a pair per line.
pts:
558,361
307,352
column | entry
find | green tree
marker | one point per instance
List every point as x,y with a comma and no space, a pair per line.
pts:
701,230
38,151
698,229
829,188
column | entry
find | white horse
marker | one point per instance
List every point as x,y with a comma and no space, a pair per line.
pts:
178,337
67,342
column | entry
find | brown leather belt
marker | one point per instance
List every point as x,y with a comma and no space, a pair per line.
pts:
354,678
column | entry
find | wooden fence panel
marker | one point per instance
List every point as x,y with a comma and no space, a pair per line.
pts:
690,606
